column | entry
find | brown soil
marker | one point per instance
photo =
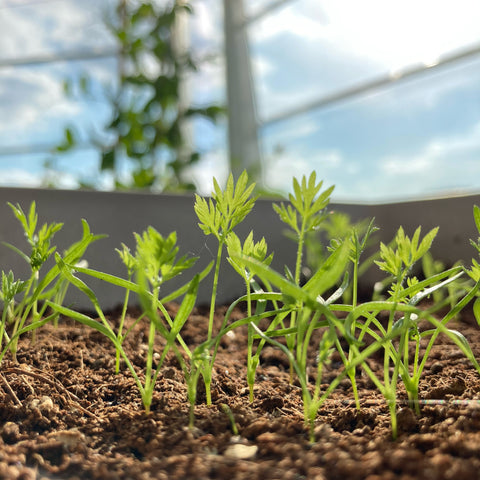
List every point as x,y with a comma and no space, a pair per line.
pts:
65,414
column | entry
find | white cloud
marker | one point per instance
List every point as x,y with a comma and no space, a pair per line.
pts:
425,94
15,177
206,25
445,164
208,83
279,168
53,27
206,31
397,165
288,132
391,34
262,66
289,20
33,103
437,151
19,178
333,45
212,164
29,97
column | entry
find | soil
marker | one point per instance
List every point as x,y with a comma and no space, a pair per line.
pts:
64,414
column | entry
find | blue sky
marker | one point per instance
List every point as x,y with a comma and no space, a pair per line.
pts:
414,139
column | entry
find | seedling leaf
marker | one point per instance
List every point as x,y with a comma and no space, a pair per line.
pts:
329,273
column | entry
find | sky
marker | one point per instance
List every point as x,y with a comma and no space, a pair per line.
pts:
413,139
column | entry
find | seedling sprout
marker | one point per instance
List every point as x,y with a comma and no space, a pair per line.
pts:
292,313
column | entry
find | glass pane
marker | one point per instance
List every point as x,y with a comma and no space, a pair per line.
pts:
312,48
41,28
412,140
206,28
252,7
39,109
32,170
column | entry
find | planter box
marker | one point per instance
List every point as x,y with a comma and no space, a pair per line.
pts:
65,413
120,214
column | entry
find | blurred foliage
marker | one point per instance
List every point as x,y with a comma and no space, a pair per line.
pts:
148,113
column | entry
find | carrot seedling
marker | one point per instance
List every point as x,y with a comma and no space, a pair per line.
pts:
38,287
218,217
258,251
405,293
154,263
304,214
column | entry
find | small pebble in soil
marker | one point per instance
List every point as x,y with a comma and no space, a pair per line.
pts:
436,367
44,404
271,403
240,451
407,421
70,439
10,432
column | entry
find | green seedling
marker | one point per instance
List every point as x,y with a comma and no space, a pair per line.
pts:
229,414
257,251
408,291
357,247
303,215
398,263
40,244
218,217
145,248
406,332
311,311
309,202
10,288
171,333
40,286
131,264
155,262
298,308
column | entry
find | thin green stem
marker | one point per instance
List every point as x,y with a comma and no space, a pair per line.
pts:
4,321
214,289
149,365
180,340
354,284
352,373
120,329
301,242
291,339
251,366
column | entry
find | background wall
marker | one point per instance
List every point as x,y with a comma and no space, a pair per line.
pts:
120,214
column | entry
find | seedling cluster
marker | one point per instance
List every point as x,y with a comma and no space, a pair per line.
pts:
283,309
